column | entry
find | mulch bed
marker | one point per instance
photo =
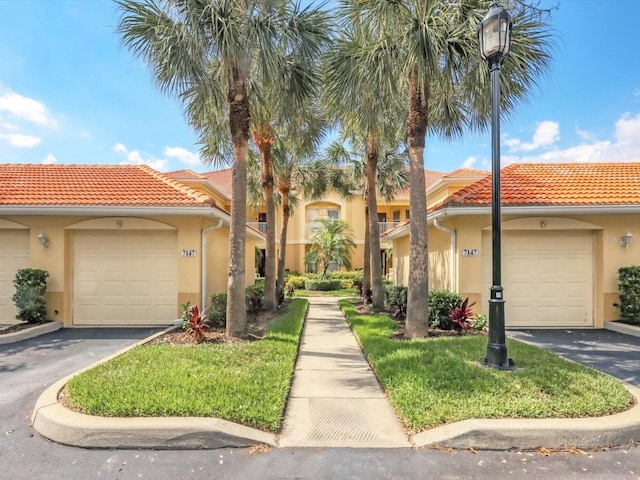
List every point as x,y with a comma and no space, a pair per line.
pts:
21,326
365,309
256,330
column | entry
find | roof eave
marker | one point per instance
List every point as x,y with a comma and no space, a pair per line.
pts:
105,211
455,210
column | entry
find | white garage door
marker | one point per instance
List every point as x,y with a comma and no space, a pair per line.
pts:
14,255
124,277
547,277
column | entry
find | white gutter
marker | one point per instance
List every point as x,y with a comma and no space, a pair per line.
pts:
452,259
538,210
203,264
110,211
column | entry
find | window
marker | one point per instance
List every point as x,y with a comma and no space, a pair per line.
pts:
396,216
407,215
333,213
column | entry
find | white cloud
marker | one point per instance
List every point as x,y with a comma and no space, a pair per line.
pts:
585,134
134,157
49,159
26,109
628,128
119,148
469,162
10,127
183,155
20,141
624,148
546,134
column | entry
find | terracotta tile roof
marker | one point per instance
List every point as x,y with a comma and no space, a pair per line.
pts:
93,185
466,173
221,179
558,184
430,177
185,174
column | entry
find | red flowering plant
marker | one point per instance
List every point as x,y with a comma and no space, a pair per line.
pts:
461,316
193,321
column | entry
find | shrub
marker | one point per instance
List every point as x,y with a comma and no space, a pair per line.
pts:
193,322
31,285
345,283
395,300
354,276
255,298
629,287
441,302
461,315
322,285
217,316
481,322
296,281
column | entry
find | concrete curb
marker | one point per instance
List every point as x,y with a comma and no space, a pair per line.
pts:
59,424
623,328
30,332
528,434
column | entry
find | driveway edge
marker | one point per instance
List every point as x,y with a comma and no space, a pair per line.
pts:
623,328
31,332
57,423
528,434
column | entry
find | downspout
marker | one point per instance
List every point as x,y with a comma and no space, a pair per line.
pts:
203,265
452,260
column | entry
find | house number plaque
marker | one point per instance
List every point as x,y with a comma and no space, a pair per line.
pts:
469,252
189,253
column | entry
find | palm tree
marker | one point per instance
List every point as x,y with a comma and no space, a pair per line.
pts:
391,176
332,244
211,54
432,57
369,112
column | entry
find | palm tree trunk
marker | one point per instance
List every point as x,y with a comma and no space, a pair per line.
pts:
373,152
417,301
239,124
264,140
366,270
286,213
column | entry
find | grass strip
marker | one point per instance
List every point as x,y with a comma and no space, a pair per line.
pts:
247,383
434,381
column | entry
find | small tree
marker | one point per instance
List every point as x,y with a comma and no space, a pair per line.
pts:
333,244
31,285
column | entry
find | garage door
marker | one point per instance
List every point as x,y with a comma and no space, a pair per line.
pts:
14,255
547,277
124,277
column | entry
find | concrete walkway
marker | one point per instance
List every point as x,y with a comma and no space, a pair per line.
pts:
336,400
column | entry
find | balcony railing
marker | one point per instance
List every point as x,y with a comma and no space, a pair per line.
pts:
384,226
260,226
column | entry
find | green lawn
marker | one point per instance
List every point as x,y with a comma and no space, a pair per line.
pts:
434,381
246,383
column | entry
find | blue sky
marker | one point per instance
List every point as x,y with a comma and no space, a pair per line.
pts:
69,93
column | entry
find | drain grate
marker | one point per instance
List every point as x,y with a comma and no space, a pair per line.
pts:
340,419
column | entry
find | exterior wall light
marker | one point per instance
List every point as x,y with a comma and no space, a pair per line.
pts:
626,240
43,240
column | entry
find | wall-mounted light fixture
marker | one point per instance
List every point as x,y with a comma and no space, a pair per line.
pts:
626,239
44,240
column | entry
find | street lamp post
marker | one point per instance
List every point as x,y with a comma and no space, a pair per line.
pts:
494,34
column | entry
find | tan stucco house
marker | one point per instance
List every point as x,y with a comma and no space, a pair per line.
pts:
123,244
566,230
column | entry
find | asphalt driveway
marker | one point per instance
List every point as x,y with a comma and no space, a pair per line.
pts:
28,367
614,353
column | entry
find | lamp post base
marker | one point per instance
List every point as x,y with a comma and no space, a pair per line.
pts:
497,358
